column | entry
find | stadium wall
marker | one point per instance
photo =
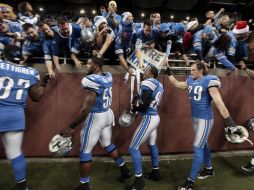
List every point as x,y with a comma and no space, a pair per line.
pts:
64,96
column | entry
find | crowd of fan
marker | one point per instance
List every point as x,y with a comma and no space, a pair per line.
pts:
114,36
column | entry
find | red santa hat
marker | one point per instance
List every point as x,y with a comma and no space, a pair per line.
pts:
241,27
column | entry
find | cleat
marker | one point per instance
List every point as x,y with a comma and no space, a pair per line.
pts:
138,184
206,173
154,175
83,186
188,185
125,174
248,168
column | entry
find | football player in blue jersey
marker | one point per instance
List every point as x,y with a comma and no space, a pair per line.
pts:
99,120
151,91
16,83
203,89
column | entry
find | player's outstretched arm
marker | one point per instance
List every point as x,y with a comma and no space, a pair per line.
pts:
175,82
36,91
249,72
215,94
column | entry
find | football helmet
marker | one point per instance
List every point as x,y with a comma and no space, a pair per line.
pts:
239,136
87,35
251,124
126,119
60,146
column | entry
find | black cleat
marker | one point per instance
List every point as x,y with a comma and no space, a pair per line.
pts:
138,184
83,186
248,168
125,174
206,173
154,175
188,185
21,185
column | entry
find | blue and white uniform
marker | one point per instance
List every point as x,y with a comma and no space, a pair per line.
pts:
220,56
62,45
34,49
101,118
202,115
15,81
147,129
141,39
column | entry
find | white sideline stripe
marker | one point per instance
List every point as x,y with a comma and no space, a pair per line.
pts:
128,158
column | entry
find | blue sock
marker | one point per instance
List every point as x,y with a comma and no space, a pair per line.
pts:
119,162
154,155
137,161
110,148
85,157
84,179
197,162
19,167
207,156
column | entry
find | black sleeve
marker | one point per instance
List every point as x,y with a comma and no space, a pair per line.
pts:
145,101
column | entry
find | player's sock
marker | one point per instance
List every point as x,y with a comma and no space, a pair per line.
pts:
154,156
19,168
137,160
207,156
197,162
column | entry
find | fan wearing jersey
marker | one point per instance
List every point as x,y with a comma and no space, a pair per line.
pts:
151,91
203,89
99,119
16,83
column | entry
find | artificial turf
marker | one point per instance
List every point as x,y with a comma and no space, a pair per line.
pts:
65,176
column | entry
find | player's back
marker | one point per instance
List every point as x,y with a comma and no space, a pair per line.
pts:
15,80
156,88
102,86
200,97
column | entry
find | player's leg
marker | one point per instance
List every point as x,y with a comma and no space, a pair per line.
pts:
112,150
154,175
141,134
202,129
89,136
12,142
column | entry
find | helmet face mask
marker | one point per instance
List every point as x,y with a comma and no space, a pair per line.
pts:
60,146
251,124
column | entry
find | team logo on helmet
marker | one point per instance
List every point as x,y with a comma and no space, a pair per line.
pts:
251,124
87,35
126,119
60,146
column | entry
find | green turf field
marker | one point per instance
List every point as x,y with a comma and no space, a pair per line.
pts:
65,176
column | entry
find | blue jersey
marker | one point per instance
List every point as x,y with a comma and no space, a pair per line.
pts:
33,48
62,44
156,88
102,85
199,95
142,39
220,57
15,81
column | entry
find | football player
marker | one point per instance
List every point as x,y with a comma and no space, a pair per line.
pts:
151,91
203,89
99,120
16,83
